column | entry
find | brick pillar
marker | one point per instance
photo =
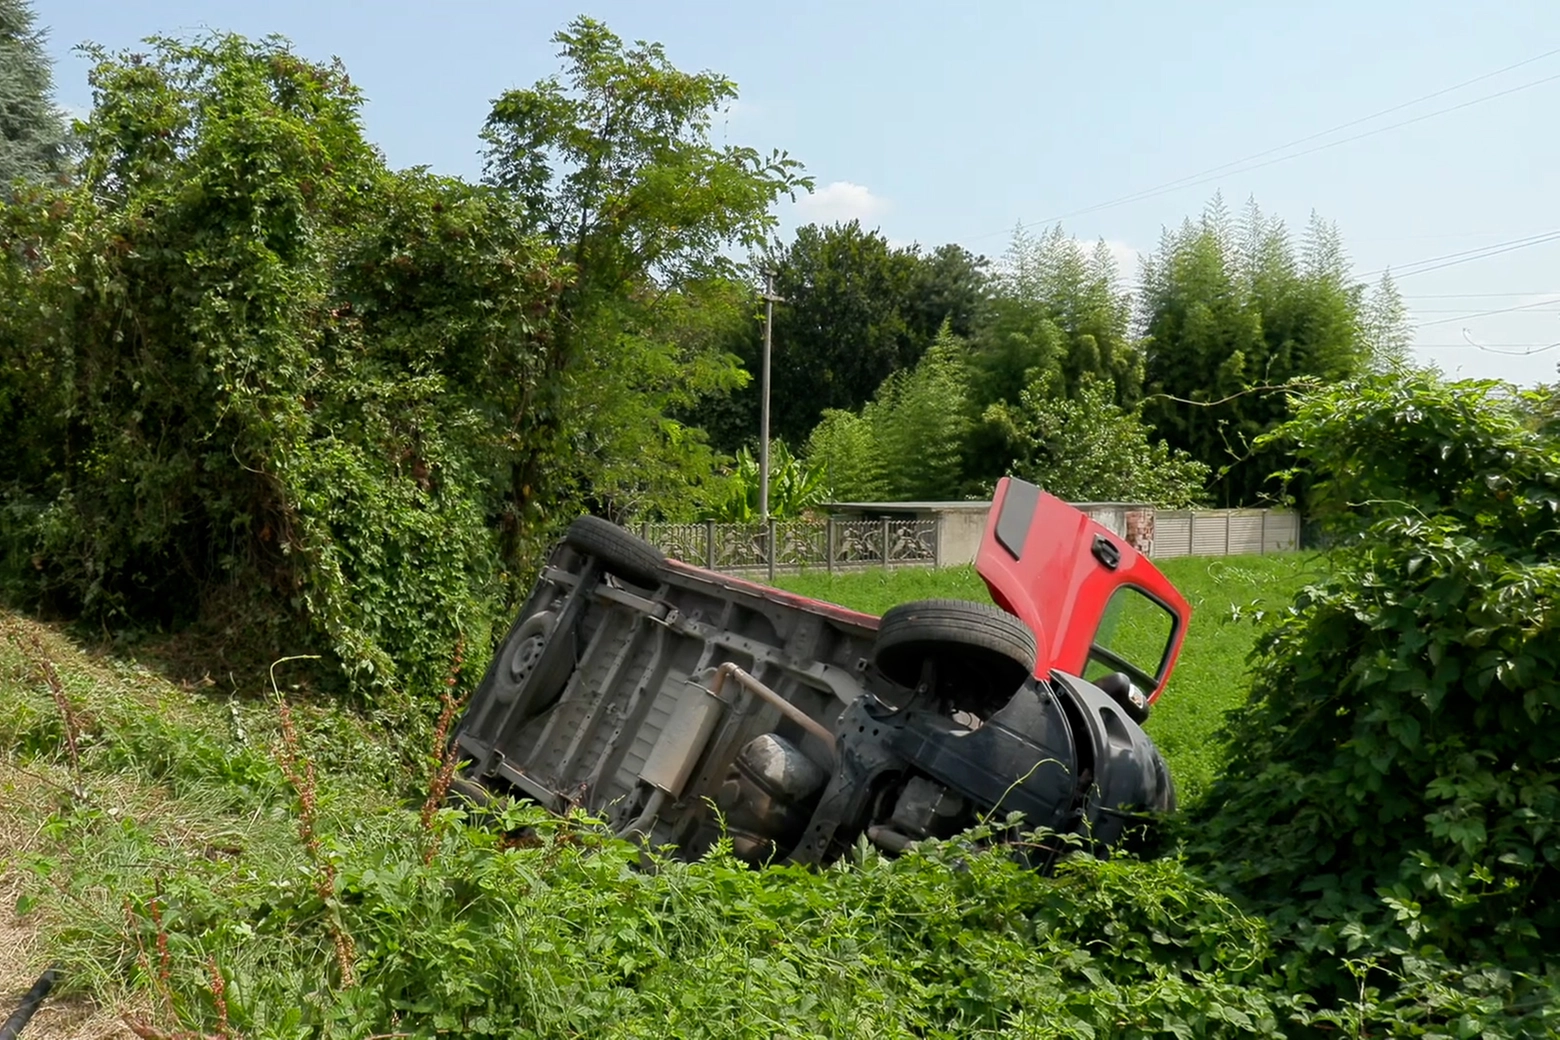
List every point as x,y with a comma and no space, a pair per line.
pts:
1140,530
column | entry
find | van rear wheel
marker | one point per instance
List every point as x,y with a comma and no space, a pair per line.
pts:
980,655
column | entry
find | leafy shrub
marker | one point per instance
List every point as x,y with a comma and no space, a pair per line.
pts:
187,891
1087,448
794,487
949,941
1395,777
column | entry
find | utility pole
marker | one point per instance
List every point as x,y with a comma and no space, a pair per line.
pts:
770,299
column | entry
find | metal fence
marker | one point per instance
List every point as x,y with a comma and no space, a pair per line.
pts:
834,544
828,544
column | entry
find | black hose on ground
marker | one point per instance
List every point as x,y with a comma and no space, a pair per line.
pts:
29,1005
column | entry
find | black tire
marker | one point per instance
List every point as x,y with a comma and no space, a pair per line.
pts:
522,652
621,553
468,794
980,652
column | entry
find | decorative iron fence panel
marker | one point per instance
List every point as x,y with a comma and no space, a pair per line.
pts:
799,544
834,544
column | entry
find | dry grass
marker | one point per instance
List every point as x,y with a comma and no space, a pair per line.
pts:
36,661
23,796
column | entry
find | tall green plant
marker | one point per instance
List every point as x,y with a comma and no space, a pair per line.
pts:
843,447
1231,310
919,421
795,486
1057,311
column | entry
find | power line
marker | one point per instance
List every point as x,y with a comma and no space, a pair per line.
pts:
1437,263
1212,173
1555,304
1484,314
1488,349
1478,295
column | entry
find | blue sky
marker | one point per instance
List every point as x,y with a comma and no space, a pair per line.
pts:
940,123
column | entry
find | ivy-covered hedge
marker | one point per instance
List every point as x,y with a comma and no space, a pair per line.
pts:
250,375
1394,786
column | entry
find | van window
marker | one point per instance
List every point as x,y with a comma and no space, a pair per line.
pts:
1133,637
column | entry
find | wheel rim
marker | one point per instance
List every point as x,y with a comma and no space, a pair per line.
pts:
529,642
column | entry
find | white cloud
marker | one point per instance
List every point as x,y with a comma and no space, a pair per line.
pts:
1127,260
841,201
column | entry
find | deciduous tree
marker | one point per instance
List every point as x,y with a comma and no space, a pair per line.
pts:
613,164
857,309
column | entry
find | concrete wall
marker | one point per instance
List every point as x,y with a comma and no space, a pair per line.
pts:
1224,532
959,537
1159,533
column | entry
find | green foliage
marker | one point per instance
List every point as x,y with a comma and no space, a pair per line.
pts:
843,448
564,930
612,164
1050,346
920,420
32,130
537,926
1087,448
260,381
795,486
255,377
856,311
915,440
1385,328
1399,757
1060,315
908,442
1230,310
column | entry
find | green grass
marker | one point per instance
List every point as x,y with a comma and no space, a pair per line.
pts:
166,872
168,855
1210,678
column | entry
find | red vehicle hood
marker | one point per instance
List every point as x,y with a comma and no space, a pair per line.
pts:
1047,563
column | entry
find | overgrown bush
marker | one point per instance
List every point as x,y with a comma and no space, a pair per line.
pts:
250,374
1395,778
258,380
1087,448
